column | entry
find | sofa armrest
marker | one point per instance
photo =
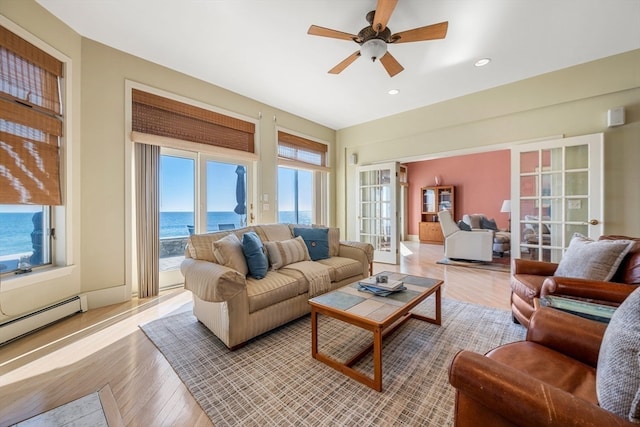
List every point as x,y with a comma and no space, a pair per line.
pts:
210,281
520,398
538,268
585,288
574,336
359,251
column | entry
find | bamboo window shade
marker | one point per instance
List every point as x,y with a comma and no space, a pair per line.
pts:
157,115
31,123
301,149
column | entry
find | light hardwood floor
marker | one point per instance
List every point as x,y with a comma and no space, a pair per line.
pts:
86,352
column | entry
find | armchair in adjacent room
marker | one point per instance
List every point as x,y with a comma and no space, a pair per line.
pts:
570,371
475,245
501,238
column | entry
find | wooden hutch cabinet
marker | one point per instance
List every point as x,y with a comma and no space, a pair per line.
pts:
434,199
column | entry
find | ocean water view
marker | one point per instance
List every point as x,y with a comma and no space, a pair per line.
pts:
16,227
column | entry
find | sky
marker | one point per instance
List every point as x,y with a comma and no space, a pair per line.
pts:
177,192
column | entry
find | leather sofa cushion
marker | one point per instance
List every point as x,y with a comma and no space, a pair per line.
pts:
271,289
341,268
550,367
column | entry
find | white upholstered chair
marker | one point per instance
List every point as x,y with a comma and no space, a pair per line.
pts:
475,245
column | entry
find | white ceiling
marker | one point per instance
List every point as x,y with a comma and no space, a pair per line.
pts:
260,49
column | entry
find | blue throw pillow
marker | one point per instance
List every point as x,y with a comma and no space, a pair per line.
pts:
488,224
464,226
253,251
316,239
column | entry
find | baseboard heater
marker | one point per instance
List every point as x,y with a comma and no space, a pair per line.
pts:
31,322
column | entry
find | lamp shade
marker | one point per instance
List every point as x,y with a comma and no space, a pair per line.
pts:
373,49
506,206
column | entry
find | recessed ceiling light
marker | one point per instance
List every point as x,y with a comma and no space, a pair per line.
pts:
393,91
482,62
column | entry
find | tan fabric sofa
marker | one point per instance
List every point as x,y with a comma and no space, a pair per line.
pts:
237,308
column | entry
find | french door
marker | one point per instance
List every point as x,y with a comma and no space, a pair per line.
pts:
378,189
558,186
198,194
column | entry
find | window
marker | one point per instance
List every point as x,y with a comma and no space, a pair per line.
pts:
205,160
31,124
295,196
302,180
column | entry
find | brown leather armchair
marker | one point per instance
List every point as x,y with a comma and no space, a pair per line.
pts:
547,380
533,279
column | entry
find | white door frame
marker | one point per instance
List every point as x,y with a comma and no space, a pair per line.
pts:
595,143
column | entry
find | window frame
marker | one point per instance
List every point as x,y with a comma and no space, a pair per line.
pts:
321,175
61,218
199,150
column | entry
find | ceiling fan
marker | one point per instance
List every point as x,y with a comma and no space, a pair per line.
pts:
373,39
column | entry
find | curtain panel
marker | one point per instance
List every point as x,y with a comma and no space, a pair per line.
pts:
147,165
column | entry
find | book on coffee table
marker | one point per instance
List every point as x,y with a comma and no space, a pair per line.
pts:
390,285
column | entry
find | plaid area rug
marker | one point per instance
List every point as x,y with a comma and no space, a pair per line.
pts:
273,380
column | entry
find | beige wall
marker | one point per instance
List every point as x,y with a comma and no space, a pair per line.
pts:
99,150
569,102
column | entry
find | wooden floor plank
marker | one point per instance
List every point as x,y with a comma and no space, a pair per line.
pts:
105,347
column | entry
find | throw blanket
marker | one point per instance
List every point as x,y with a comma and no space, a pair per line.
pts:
316,274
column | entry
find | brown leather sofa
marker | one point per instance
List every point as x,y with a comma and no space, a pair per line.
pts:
547,380
533,279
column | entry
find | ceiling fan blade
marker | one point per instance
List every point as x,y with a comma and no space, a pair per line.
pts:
345,63
315,30
384,9
430,32
390,64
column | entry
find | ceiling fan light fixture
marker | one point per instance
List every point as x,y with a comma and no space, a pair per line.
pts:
373,49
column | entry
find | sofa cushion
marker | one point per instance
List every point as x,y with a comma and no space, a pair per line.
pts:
286,252
201,245
228,252
488,224
254,254
590,259
316,239
275,232
302,282
464,226
473,220
341,268
618,374
270,290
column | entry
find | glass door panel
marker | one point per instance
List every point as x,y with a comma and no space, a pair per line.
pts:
177,215
560,197
378,207
226,196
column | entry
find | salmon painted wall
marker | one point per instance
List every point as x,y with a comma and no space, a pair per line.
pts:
481,181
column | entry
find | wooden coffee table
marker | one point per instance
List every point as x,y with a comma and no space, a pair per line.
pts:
380,315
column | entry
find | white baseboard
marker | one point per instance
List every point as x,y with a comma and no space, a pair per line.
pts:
108,296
